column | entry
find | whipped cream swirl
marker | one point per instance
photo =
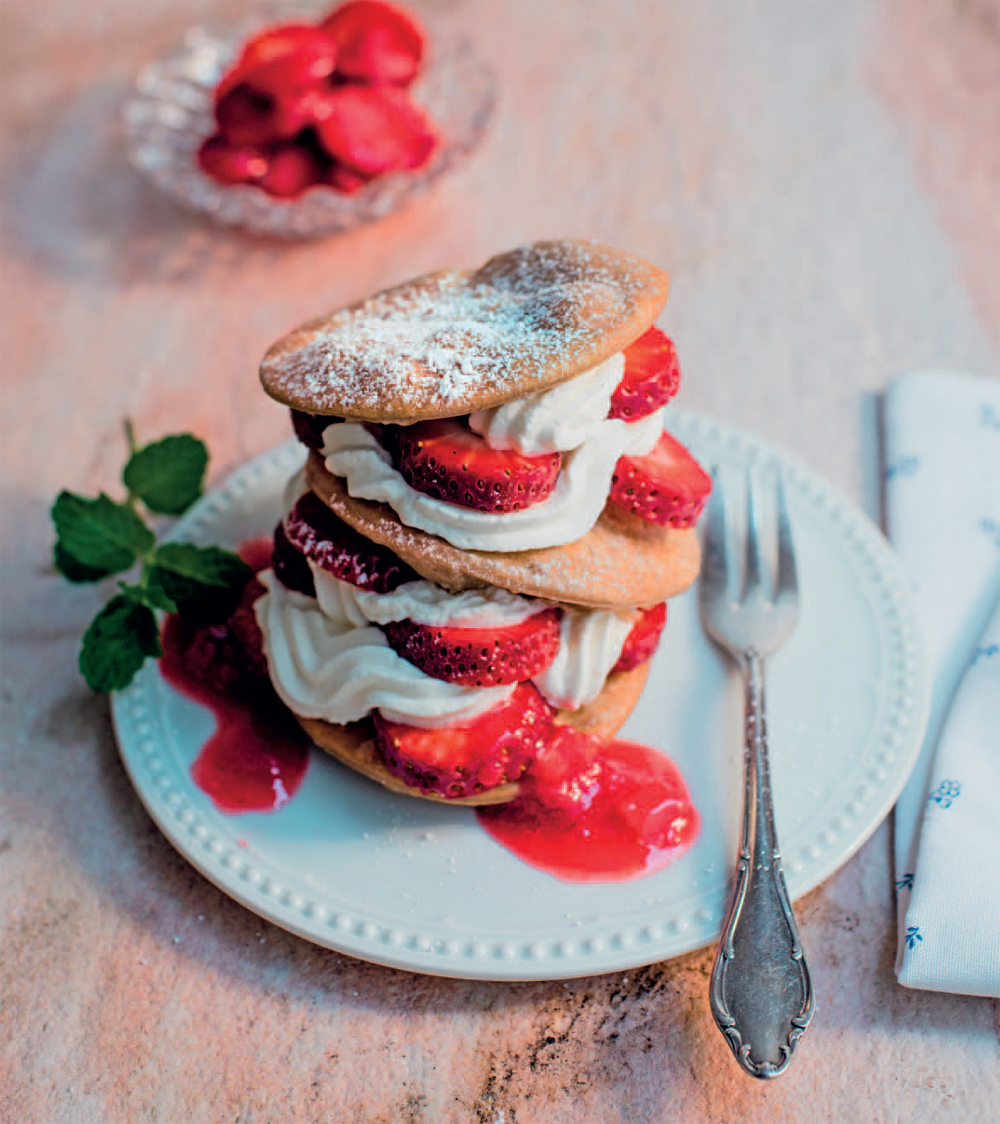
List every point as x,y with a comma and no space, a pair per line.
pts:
327,659
566,515
325,666
556,420
591,642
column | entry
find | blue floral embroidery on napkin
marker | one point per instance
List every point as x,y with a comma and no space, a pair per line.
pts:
905,466
912,936
906,882
989,417
945,793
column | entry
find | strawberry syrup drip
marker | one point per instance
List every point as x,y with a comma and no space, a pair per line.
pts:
622,812
257,756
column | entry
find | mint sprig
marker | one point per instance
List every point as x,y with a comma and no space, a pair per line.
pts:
96,538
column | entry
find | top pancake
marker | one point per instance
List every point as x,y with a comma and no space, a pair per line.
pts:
452,342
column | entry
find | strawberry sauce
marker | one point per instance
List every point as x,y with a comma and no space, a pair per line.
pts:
256,758
591,810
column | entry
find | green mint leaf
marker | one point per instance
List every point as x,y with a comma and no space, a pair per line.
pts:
74,570
99,534
205,582
117,643
167,475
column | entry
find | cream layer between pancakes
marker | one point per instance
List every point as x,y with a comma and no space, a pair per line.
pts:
571,418
328,659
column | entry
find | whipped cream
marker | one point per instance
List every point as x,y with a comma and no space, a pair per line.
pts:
422,602
556,420
325,666
566,515
327,659
591,642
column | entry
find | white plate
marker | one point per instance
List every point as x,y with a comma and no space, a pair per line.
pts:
415,885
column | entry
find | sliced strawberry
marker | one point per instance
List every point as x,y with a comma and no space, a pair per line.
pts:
651,377
228,658
309,428
290,565
251,117
313,529
376,42
282,59
230,163
273,90
492,749
291,168
641,642
375,129
666,486
345,180
479,657
445,459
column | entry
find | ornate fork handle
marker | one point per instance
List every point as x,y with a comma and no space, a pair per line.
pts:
761,993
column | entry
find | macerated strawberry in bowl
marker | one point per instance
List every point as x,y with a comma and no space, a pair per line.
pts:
303,128
322,105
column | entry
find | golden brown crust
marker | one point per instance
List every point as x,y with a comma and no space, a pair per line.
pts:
621,563
451,342
353,745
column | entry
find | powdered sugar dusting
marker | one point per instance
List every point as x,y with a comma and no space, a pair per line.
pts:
454,341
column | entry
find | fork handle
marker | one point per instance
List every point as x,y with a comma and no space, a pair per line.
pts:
761,992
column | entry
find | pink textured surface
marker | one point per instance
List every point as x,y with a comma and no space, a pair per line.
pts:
821,182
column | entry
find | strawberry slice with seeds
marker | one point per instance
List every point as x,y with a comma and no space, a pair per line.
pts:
641,642
651,377
376,42
290,565
666,486
479,657
374,129
444,458
456,761
313,529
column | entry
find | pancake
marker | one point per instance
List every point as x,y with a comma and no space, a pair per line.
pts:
353,745
621,563
452,342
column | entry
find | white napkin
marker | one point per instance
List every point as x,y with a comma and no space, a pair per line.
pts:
942,501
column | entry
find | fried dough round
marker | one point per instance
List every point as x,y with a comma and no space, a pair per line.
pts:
621,563
451,342
353,745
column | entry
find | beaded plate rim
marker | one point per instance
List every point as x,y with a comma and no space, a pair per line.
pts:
590,945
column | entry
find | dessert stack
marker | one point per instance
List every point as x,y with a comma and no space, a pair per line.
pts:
477,555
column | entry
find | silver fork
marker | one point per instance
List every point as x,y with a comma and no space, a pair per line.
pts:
761,993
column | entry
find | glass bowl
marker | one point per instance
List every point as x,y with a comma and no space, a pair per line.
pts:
169,114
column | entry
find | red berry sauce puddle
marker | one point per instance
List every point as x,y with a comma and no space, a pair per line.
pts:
257,756
588,810
622,814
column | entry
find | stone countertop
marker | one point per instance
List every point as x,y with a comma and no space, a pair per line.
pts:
821,182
